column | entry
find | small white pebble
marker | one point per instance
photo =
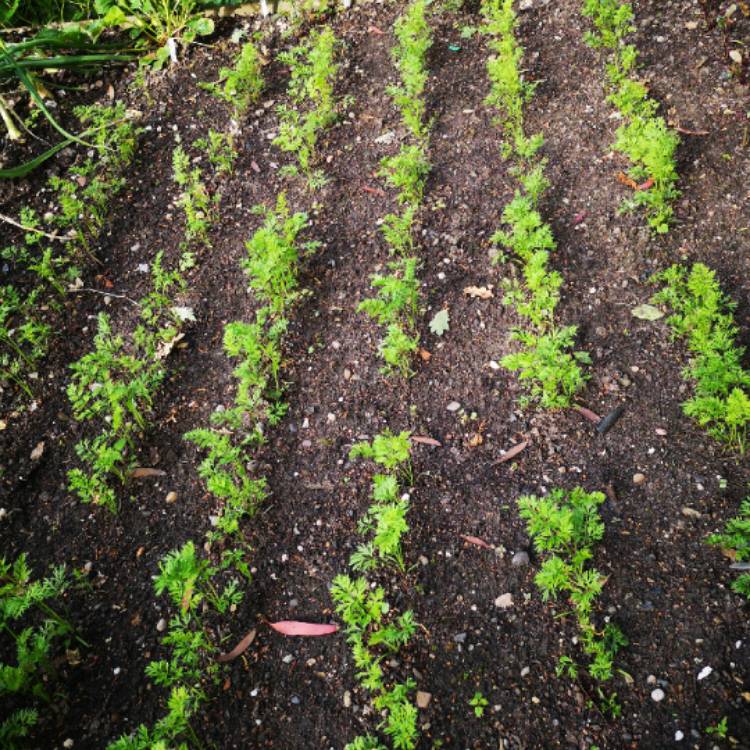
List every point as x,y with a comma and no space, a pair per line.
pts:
657,695
704,673
68,743
678,736
116,671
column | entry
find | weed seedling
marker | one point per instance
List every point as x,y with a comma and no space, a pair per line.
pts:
479,703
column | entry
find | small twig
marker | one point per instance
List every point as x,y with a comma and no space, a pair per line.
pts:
8,220
106,294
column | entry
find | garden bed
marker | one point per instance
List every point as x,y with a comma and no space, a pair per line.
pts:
666,588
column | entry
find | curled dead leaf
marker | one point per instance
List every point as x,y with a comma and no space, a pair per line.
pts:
625,180
483,292
164,349
239,649
475,440
424,355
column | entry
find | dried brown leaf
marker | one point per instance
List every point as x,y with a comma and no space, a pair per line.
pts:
239,649
475,540
144,471
426,440
512,452
483,292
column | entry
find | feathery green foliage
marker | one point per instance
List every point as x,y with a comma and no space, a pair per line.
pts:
241,85
410,57
272,267
565,527
373,630
39,635
645,138
703,315
313,71
736,537
47,266
546,360
396,305
192,585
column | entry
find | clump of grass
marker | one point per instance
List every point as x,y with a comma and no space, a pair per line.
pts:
546,360
645,138
703,315
565,527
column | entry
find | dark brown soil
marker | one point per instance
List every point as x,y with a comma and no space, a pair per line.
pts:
667,589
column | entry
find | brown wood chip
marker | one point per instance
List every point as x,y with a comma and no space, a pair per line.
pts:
146,472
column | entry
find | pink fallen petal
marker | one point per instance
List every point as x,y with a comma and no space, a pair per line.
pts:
425,440
475,540
240,648
293,627
512,452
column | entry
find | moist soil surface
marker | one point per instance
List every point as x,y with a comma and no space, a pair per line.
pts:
666,589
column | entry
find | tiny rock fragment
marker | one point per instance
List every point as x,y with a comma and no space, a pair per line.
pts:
36,454
736,56
68,744
161,626
690,512
657,695
639,478
705,672
453,406
660,431
347,699
520,559
423,699
171,497
504,601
